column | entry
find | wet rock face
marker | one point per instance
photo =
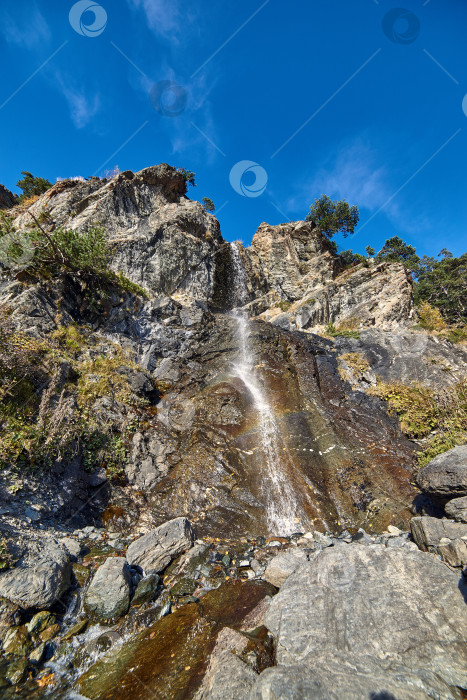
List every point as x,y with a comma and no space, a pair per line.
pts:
175,649
344,458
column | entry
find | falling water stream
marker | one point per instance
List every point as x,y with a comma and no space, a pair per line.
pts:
284,513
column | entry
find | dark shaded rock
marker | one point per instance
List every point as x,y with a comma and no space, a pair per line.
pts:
154,552
16,671
146,589
7,198
457,509
17,641
108,595
446,475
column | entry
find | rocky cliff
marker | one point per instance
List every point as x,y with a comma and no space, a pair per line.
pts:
214,393
201,451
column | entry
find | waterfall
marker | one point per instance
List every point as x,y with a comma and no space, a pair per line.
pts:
284,514
239,280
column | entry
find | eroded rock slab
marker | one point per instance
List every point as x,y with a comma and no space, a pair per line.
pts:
154,552
428,532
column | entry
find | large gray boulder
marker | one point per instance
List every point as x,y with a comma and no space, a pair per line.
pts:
457,509
41,577
446,475
154,552
400,614
108,596
345,676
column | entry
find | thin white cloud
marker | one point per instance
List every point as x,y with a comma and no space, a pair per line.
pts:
354,175
30,31
163,17
83,107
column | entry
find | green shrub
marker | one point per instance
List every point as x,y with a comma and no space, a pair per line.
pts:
208,204
84,255
345,329
331,217
188,176
437,417
32,186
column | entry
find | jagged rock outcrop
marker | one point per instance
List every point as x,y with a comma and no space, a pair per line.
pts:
170,245
294,279
161,239
7,198
402,355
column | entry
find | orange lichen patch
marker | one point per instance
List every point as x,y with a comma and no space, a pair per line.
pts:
112,513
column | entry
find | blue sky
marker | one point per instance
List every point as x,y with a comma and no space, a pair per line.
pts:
360,100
